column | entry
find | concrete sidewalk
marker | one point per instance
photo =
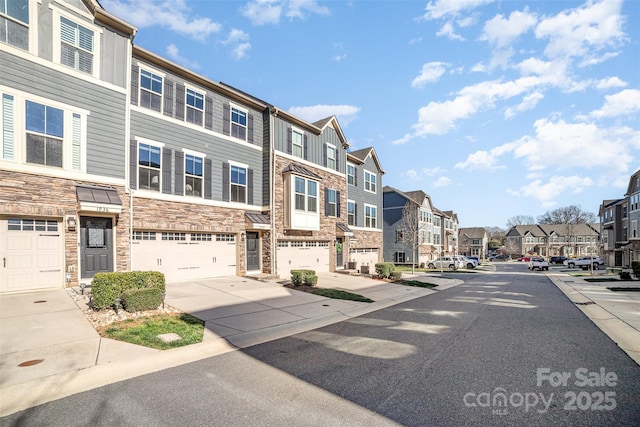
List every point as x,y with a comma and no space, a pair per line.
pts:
49,350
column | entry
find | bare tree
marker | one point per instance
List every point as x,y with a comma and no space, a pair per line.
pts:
410,229
520,220
496,236
567,215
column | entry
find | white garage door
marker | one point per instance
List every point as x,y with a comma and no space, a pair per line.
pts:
32,254
184,256
364,256
302,255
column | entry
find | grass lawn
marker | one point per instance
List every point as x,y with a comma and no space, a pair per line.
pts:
144,331
623,289
339,294
416,283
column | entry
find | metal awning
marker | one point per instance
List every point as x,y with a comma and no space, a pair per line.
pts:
301,170
257,221
343,230
99,199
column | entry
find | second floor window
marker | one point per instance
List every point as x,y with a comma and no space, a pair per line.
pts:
76,49
193,176
369,181
297,147
45,132
332,202
14,23
195,107
370,216
238,184
150,90
351,174
331,157
238,123
149,167
351,212
306,195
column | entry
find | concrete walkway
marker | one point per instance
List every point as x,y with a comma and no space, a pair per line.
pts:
62,353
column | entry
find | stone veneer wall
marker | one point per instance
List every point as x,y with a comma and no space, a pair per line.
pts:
161,215
367,239
48,197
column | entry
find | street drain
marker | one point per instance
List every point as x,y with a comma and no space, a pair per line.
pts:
40,301
30,363
585,303
325,305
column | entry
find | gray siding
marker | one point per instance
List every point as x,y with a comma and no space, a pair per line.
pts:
105,124
218,150
393,206
358,194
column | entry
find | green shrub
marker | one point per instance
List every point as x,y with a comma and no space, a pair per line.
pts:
141,299
396,275
311,280
298,276
106,287
384,269
635,265
625,275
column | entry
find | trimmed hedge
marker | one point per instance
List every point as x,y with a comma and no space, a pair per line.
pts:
384,269
298,277
106,287
396,275
311,280
635,265
141,299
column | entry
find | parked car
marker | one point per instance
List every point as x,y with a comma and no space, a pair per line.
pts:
538,263
499,257
470,262
557,259
524,259
447,262
584,262
476,258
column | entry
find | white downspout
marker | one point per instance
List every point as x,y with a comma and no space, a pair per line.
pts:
272,168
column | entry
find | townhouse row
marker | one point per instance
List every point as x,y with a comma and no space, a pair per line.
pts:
116,159
570,240
619,219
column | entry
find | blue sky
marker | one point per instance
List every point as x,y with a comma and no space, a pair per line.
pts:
493,108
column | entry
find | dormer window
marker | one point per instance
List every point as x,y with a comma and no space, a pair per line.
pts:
76,49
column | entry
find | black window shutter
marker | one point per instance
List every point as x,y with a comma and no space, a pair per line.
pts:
208,112
166,171
355,176
337,159
338,204
250,128
179,173
355,214
133,165
225,182
134,84
226,119
305,145
289,141
168,97
324,155
180,101
250,186
326,202
207,179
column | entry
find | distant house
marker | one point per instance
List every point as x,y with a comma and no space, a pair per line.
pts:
570,240
473,241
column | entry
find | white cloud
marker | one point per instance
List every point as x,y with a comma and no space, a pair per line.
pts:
339,58
502,32
442,181
432,171
528,102
174,15
449,32
439,8
611,82
619,104
265,12
174,54
345,113
430,73
412,175
485,160
553,189
239,42
584,31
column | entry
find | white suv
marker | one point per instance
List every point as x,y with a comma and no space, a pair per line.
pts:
450,262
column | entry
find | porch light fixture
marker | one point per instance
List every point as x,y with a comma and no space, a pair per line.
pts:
243,235
71,223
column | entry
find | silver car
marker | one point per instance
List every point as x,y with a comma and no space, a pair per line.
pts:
447,262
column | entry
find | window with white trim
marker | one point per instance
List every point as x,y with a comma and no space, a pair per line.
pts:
401,257
14,23
238,184
149,167
332,202
370,216
297,143
369,181
193,175
351,174
351,212
150,90
238,123
76,46
331,156
45,134
306,197
194,103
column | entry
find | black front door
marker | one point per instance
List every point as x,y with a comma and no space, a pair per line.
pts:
96,246
339,263
253,251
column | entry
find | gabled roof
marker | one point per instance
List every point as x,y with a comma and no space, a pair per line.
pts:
417,197
634,183
532,229
106,18
360,156
473,232
332,121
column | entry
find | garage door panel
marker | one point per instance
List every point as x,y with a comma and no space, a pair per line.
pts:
311,256
364,257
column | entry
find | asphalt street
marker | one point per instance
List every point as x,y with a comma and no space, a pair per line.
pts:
502,349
